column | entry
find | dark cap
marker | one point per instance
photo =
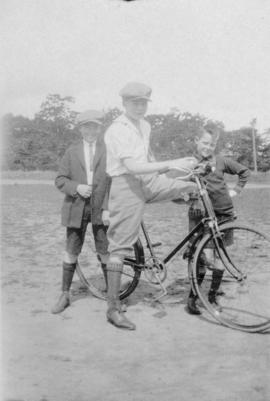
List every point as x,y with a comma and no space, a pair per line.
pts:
136,90
89,116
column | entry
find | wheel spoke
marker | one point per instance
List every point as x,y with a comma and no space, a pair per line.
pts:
245,303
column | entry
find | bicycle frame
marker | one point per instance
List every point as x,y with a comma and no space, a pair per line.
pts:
209,222
211,247
196,233
155,268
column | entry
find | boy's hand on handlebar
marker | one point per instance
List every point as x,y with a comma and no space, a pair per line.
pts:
203,169
185,163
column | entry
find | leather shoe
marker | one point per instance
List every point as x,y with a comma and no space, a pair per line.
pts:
119,320
62,303
192,308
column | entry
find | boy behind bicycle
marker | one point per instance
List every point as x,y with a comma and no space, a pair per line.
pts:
221,198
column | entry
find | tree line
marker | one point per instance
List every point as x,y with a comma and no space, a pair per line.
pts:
39,143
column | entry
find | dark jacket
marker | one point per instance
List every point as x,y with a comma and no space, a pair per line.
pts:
72,172
216,185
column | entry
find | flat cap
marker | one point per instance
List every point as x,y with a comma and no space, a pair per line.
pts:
136,90
89,116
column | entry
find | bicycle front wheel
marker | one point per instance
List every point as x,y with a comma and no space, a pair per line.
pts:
94,279
235,282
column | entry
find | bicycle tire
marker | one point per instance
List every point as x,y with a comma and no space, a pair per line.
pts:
245,302
93,279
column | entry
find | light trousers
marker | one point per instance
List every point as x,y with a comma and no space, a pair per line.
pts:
128,196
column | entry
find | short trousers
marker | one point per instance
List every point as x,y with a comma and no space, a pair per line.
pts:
75,236
228,237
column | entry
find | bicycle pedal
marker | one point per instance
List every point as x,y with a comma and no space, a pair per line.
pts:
159,296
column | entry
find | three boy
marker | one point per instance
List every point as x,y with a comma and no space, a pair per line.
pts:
134,179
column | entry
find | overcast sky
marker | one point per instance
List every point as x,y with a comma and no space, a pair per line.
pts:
205,56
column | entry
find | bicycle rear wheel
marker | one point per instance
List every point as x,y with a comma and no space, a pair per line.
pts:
93,278
239,297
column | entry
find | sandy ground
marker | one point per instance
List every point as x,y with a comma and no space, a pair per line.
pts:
78,356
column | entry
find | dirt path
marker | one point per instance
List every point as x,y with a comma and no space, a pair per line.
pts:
78,356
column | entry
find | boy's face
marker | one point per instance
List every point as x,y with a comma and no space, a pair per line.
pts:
90,131
205,145
135,108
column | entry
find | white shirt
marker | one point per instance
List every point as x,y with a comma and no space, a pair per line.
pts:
123,140
86,150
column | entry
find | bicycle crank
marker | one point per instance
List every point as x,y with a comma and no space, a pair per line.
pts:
155,270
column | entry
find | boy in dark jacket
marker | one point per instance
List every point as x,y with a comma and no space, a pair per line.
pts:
221,197
82,178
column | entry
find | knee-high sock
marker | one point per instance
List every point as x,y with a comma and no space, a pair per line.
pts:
68,273
216,280
114,273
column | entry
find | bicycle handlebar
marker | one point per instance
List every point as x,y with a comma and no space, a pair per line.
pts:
199,171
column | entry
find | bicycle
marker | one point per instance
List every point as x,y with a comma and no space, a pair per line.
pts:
243,303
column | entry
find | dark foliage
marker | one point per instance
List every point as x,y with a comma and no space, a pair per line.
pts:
39,143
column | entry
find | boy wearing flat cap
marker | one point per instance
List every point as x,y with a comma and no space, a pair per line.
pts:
82,178
136,180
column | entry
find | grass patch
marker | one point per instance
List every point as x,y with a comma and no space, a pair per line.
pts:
28,175
262,178
50,175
